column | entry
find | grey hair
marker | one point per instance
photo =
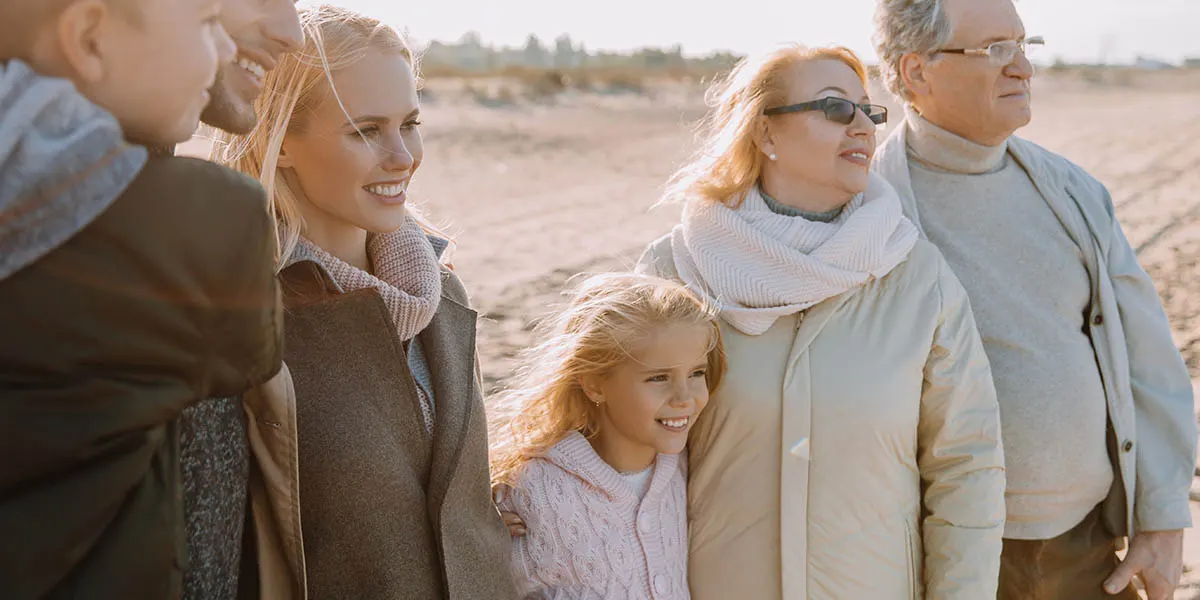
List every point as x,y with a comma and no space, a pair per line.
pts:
903,27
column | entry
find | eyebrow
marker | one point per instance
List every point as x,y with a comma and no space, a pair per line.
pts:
380,119
1001,38
835,89
658,370
699,365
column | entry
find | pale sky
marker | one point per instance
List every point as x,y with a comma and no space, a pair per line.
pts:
1077,30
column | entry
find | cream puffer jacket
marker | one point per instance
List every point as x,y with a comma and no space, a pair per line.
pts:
853,451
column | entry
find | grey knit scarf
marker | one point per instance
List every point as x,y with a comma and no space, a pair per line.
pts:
63,161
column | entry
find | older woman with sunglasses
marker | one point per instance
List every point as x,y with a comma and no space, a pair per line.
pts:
853,450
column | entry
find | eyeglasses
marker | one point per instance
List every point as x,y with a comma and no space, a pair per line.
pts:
1002,53
838,110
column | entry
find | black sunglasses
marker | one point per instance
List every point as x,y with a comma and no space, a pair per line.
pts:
838,110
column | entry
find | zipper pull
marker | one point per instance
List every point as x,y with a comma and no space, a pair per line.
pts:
801,449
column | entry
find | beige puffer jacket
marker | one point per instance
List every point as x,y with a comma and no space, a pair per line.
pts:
852,451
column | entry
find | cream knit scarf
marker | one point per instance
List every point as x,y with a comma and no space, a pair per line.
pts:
758,265
407,274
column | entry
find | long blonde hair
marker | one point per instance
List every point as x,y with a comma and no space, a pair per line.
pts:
334,38
606,316
729,161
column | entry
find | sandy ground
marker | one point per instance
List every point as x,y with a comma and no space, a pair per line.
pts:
536,192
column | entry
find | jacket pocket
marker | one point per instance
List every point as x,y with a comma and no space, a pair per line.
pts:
910,545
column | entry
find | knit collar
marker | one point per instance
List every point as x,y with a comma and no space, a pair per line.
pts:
946,151
407,275
780,208
575,455
305,252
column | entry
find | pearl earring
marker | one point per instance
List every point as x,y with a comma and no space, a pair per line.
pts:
771,156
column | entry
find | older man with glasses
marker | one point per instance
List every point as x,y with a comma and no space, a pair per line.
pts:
1095,400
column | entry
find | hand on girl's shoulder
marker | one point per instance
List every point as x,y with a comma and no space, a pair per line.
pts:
518,502
502,497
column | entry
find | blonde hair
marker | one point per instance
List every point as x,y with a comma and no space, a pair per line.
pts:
334,38
606,317
729,161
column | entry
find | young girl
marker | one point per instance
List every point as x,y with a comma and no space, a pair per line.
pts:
587,447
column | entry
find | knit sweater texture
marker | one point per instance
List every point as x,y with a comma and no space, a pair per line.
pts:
589,537
1030,292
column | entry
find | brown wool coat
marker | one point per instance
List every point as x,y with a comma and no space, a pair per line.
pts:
388,510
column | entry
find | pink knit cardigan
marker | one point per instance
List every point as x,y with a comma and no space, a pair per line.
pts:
588,537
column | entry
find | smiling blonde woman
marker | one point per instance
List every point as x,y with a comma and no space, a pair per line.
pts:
386,421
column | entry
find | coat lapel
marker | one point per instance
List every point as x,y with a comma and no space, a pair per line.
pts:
1054,191
449,344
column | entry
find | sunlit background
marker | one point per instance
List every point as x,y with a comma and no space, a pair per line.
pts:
1077,31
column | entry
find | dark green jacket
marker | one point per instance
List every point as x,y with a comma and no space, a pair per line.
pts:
168,297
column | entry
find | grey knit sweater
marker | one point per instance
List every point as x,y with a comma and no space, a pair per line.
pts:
1029,290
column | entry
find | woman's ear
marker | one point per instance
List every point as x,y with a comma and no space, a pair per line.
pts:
80,33
766,137
285,159
593,389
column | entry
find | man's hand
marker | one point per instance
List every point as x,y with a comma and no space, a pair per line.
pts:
1157,558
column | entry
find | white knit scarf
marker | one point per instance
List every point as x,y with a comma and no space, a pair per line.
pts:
758,265
407,274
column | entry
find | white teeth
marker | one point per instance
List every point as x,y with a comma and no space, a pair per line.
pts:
859,155
254,68
675,423
386,190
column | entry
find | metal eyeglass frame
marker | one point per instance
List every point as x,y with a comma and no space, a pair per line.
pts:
996,51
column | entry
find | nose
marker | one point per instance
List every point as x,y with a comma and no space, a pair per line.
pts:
395,156
861,126
283,26
1020,67
682,394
